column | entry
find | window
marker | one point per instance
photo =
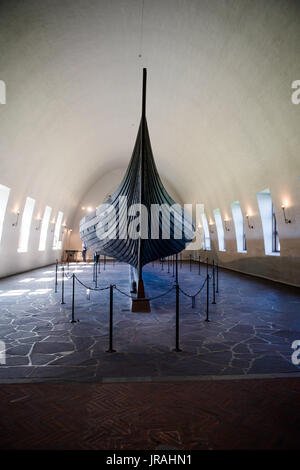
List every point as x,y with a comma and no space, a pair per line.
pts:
206,232
44,228
56,242
275,236
26,224
4,195
239,227
269,224
220,229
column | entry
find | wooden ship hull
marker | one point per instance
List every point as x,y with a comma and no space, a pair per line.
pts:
112,229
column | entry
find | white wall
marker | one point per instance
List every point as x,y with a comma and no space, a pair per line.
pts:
284,268
12,261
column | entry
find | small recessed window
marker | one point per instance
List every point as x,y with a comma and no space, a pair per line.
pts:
44,228
26,224
4,195
269,223
207,245
239,227
56,242
220,229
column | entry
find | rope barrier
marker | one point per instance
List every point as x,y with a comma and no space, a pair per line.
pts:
90,288
197,293
151,298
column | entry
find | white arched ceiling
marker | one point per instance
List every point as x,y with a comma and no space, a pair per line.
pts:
219,108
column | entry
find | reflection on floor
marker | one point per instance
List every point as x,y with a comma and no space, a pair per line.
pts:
252,327
219,414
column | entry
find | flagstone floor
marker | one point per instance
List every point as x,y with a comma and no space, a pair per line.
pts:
251,328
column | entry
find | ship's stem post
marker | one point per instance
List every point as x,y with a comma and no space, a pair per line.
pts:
141,304
141,290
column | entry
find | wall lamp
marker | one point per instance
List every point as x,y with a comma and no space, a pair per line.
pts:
226,228
287,221
39,226
17,219
249,225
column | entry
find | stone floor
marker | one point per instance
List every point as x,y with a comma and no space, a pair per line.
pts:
250,333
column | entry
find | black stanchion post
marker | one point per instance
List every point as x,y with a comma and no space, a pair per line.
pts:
176,269
73,300
173,266
214,283
63,286
162,264
207,297
199,261
206,266
96,275
168,264
217,278
111,307
56,268
190,263
177,348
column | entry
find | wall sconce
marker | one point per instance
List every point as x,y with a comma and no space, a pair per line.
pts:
39,226
17,219
287,221
249,225
226,228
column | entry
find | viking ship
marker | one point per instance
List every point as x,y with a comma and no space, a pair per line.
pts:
129,226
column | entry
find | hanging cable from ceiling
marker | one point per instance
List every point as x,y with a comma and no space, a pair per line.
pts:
141,29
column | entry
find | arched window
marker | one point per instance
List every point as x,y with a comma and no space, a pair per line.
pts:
26,224
207,245
56,242
269,223
44,228
239,227
220,229
2,92
4,195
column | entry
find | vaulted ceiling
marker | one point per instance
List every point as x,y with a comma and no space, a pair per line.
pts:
219,108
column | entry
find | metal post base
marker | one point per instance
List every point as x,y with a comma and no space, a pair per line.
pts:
177,350
141,305
111,350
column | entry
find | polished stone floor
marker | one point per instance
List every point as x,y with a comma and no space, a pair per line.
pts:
250,331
